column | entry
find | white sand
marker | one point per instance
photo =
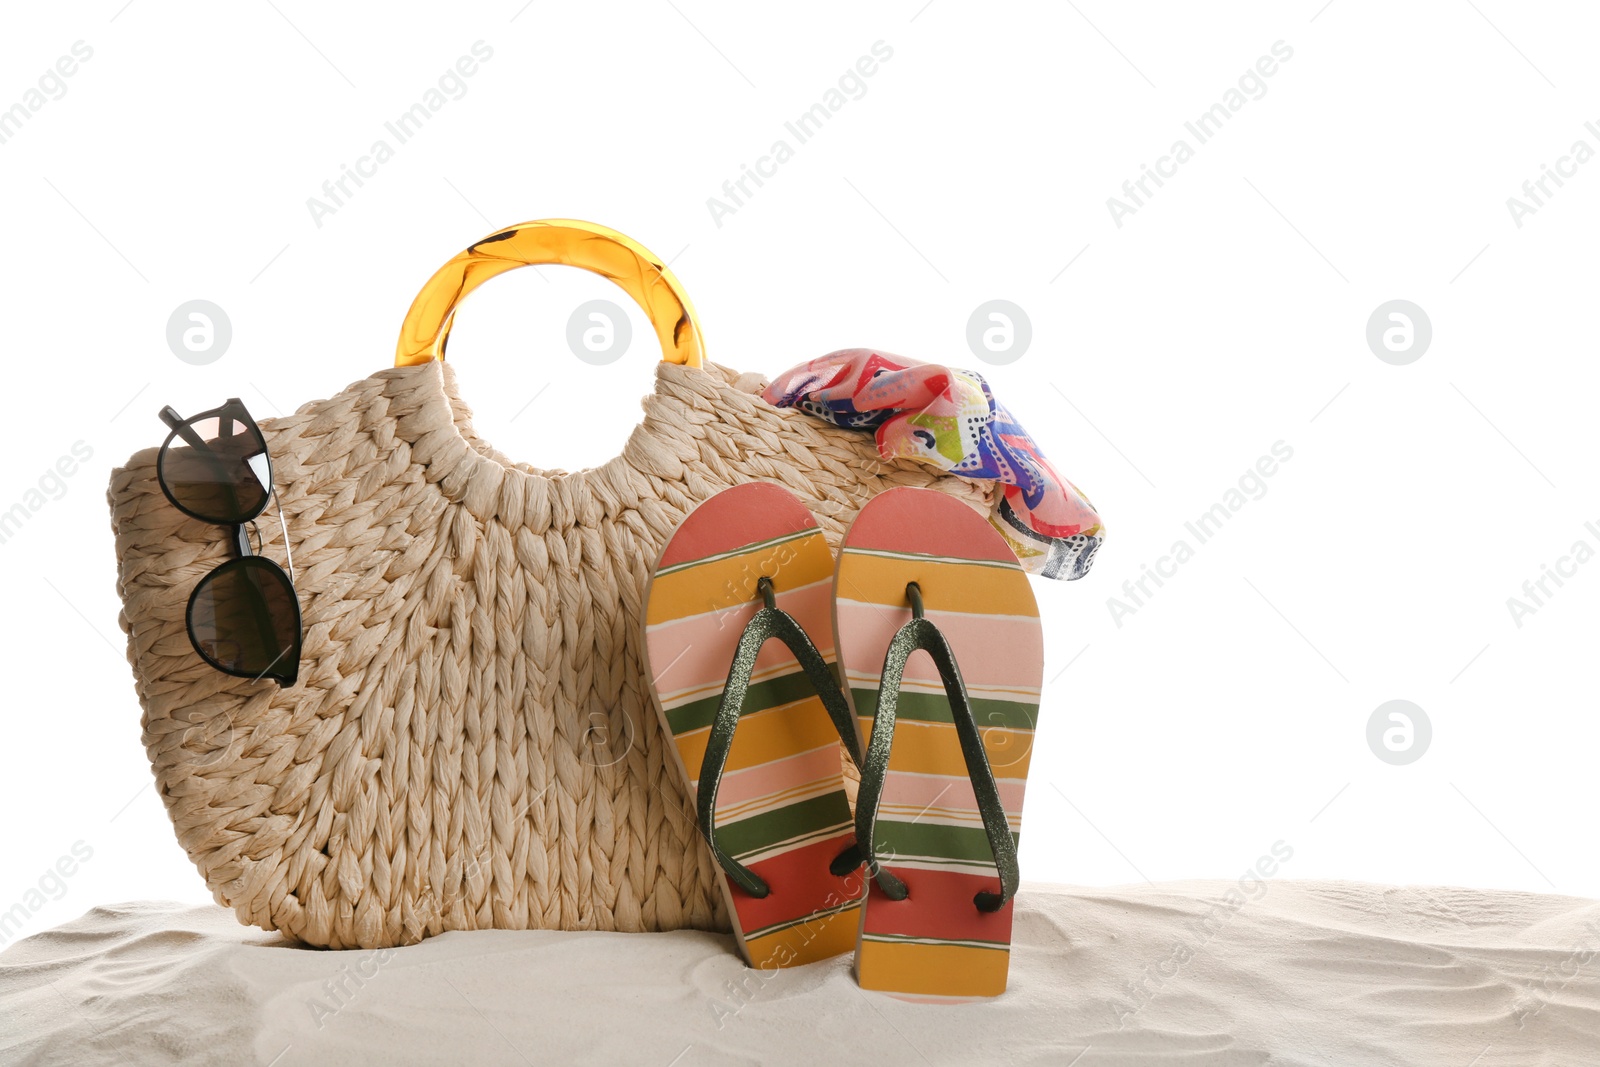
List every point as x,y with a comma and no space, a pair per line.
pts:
1314,974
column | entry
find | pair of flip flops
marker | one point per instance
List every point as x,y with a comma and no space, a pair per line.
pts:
766,655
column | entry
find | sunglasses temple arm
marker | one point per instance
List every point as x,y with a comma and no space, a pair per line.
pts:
288,554
183,429
178,426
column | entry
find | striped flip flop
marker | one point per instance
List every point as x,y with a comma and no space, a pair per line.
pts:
950,734
756,722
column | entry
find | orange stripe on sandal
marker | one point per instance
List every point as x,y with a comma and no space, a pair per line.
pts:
936,943
785,814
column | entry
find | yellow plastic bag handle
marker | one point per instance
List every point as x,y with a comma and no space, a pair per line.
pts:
568,241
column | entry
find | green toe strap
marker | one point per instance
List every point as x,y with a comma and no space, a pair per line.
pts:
768,622
921,633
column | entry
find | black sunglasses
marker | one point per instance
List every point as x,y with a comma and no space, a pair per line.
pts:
243,617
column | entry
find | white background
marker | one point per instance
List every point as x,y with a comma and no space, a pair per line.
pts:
1168,354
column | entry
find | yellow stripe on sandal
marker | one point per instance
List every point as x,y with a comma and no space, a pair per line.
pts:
781,815
927,827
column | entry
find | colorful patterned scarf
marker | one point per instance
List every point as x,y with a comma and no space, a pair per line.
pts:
949,418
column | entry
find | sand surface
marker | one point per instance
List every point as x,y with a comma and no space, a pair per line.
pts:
1309,974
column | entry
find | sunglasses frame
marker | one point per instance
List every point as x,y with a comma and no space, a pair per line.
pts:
248,557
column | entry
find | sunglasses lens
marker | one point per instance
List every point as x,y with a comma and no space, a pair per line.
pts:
244,618
215,467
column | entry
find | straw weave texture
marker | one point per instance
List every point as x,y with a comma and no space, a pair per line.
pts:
471,741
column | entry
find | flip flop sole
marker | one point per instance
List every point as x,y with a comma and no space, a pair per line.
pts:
781,806
936,943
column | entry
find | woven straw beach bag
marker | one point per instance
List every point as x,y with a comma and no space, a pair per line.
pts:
470,742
